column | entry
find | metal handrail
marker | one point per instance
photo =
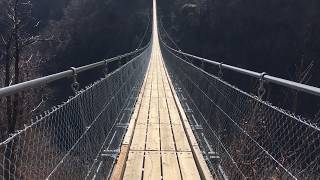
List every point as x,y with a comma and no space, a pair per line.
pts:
13,89
265,77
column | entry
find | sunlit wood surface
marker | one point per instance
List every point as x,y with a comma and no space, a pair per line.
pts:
156,144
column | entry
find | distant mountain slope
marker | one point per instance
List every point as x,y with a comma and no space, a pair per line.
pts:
279,37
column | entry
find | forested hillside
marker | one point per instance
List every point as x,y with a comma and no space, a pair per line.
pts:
279,37
42,37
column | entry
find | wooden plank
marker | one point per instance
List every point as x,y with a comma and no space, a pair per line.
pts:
147,92
162,93
197,154
132,123
142,117
173,111
167,89
164,116
154,93
145,100
152,167
175,118
149,78
180,138
148,134
167,141
170,166
154,120
154,108
172,103
153,138
191,138
201,163
118,170
162,103
134,166
154,101
154,80
188,166
144,105
128,136
148,85
144,112
144,108
153,112
139,137
187,127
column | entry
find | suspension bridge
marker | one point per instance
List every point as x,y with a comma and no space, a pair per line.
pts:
160,115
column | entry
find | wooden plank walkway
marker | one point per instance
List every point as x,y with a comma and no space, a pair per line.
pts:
159,143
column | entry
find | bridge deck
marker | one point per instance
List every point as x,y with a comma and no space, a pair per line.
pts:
159,142
159,139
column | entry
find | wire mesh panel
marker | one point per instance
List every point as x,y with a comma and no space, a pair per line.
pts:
65,142
103,166
245,138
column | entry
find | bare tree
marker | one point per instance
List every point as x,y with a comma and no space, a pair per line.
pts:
16,38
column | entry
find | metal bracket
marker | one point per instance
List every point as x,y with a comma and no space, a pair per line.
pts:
183,99
110,153
75,85
119,62
220,73
122,125
202,65
106,70
198,127
129,109
213,155
261,90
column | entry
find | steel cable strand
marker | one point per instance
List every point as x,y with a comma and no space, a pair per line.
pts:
213,131
88,128
43,122
126,101
288,117
245,132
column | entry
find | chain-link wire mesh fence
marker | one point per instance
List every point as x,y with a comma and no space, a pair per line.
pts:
242,136
66,142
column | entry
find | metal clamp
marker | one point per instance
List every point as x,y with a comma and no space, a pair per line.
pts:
261,90
202,65
106,70
220,73
75,85
119,61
